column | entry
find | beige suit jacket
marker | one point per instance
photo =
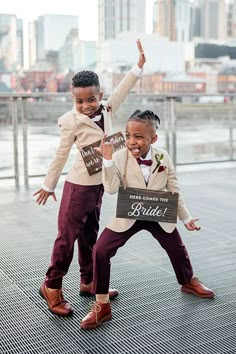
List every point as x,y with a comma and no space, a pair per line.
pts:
79,129
126,169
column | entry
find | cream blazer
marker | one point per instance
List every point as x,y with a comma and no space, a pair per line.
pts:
126,171
79,129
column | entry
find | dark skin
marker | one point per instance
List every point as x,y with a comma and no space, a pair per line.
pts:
87,101
139,136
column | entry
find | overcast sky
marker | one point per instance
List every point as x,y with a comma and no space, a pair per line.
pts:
85,9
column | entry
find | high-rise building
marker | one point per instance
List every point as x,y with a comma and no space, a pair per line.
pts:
48,34
68,54
172,19
164,18
117,16
183,16
231,19
182,20
195,19
76,55
11,43
213,19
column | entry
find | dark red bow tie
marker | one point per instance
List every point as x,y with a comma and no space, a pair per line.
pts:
97,113
144,162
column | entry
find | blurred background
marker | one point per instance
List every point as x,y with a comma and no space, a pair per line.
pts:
189,78
190,45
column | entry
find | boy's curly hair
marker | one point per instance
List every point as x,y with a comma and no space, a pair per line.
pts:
85,78
145,117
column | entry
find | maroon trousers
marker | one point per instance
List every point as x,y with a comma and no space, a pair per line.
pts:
78,219
109,242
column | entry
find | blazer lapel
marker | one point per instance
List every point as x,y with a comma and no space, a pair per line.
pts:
86,120
153,175
107,121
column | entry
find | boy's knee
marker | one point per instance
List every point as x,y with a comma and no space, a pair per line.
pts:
100,251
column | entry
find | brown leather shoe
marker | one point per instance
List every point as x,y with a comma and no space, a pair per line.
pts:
86,290
55,301
99,313
195,287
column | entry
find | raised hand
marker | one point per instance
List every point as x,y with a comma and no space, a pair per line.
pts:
43,196
105,149
142,58
191,226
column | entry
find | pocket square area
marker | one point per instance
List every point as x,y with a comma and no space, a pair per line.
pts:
161,168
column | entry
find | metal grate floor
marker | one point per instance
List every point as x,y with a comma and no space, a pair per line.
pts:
150,315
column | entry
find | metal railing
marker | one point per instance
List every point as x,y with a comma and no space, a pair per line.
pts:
175,114
17,107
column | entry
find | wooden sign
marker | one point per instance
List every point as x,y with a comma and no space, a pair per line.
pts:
143,204
93,159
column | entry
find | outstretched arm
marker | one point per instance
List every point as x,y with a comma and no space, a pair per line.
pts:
66,125
127,83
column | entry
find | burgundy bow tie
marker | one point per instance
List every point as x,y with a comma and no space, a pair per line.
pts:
97,113
144,162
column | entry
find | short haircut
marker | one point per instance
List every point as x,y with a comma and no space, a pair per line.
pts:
145,117
85,78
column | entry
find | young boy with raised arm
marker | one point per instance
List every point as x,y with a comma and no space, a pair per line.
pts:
78,218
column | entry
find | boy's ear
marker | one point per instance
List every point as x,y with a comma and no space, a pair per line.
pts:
100,96
154,139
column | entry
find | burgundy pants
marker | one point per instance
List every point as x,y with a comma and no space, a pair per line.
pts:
78,219
109,242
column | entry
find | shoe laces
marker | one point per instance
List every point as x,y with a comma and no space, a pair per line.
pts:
196,280
59,296
95,308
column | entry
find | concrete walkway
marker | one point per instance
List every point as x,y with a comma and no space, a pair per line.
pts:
150,315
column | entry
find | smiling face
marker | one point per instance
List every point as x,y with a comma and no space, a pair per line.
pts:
87,99
139,137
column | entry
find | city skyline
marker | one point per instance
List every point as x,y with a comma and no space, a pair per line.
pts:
188,39
81,8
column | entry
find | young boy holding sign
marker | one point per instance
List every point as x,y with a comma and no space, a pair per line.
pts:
140,166
79,212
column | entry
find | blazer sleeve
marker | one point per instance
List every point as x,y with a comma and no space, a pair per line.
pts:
67,138
111,178
122,90
173,185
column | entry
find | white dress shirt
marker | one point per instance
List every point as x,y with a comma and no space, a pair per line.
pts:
146,170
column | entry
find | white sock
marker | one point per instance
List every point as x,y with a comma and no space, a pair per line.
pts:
103,298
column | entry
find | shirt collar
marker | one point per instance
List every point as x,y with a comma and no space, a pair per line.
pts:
148,156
